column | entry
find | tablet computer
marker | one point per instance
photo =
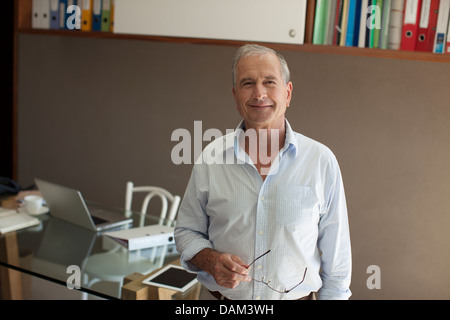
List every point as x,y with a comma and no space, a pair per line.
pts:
172,277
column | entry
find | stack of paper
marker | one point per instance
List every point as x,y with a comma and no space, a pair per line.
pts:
10,220
6,212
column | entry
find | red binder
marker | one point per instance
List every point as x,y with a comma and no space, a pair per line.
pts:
427,25
447,48
410,24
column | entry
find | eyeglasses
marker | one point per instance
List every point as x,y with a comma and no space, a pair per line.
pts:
267,282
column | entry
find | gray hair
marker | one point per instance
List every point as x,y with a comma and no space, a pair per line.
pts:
254,49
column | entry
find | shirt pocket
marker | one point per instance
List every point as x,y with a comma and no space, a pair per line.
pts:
297,207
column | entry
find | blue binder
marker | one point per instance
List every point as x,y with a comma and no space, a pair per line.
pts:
351,22
357,23
62,13
97,15
54,14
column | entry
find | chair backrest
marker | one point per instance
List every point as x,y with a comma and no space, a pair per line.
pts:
165,196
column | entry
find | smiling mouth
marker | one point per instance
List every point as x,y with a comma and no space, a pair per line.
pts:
260,104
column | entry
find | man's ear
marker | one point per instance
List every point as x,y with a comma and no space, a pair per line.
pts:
289,87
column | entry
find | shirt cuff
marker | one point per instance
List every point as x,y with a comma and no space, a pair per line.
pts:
190,252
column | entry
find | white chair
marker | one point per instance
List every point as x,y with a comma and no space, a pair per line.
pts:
112,266
163,194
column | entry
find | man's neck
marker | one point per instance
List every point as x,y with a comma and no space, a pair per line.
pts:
263,144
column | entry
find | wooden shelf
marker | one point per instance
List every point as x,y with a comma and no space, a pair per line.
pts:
23,26
322,49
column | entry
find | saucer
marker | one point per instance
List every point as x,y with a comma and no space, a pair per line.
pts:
44,209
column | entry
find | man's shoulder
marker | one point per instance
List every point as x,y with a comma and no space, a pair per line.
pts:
307,144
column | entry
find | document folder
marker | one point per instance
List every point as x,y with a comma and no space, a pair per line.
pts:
441,28
143,237
427,25
410,25
96,15
40,11
106,16
395,25
54,14
86,16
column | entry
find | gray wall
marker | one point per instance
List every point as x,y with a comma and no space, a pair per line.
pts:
95,113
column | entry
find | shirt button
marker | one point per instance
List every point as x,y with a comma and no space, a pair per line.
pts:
258,298
262,198
260,232
259,267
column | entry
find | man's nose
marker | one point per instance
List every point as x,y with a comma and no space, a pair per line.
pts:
259,92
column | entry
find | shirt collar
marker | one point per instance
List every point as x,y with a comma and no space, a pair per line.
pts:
290,140
289,143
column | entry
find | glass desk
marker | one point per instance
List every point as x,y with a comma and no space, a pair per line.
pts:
70,255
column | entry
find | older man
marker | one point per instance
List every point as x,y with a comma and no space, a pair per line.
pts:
272,223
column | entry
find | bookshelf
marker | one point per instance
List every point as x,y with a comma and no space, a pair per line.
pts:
23,26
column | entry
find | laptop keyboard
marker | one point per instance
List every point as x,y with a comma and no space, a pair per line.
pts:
98,220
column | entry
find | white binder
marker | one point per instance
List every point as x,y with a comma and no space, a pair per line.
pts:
40,14
143,237
441,27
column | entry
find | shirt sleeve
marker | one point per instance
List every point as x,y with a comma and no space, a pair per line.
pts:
191,231
334,239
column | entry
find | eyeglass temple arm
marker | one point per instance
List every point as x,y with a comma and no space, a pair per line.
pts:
258,258
304,274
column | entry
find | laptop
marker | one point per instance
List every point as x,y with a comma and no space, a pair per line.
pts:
68,204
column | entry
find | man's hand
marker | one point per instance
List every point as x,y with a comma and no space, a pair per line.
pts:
228,270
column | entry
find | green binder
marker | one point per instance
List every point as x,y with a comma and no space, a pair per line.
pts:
320,21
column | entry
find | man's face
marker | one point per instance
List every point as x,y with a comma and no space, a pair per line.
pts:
261,95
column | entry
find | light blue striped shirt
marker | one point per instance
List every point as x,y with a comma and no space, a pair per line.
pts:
299,212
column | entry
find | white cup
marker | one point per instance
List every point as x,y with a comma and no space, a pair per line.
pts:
33,203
